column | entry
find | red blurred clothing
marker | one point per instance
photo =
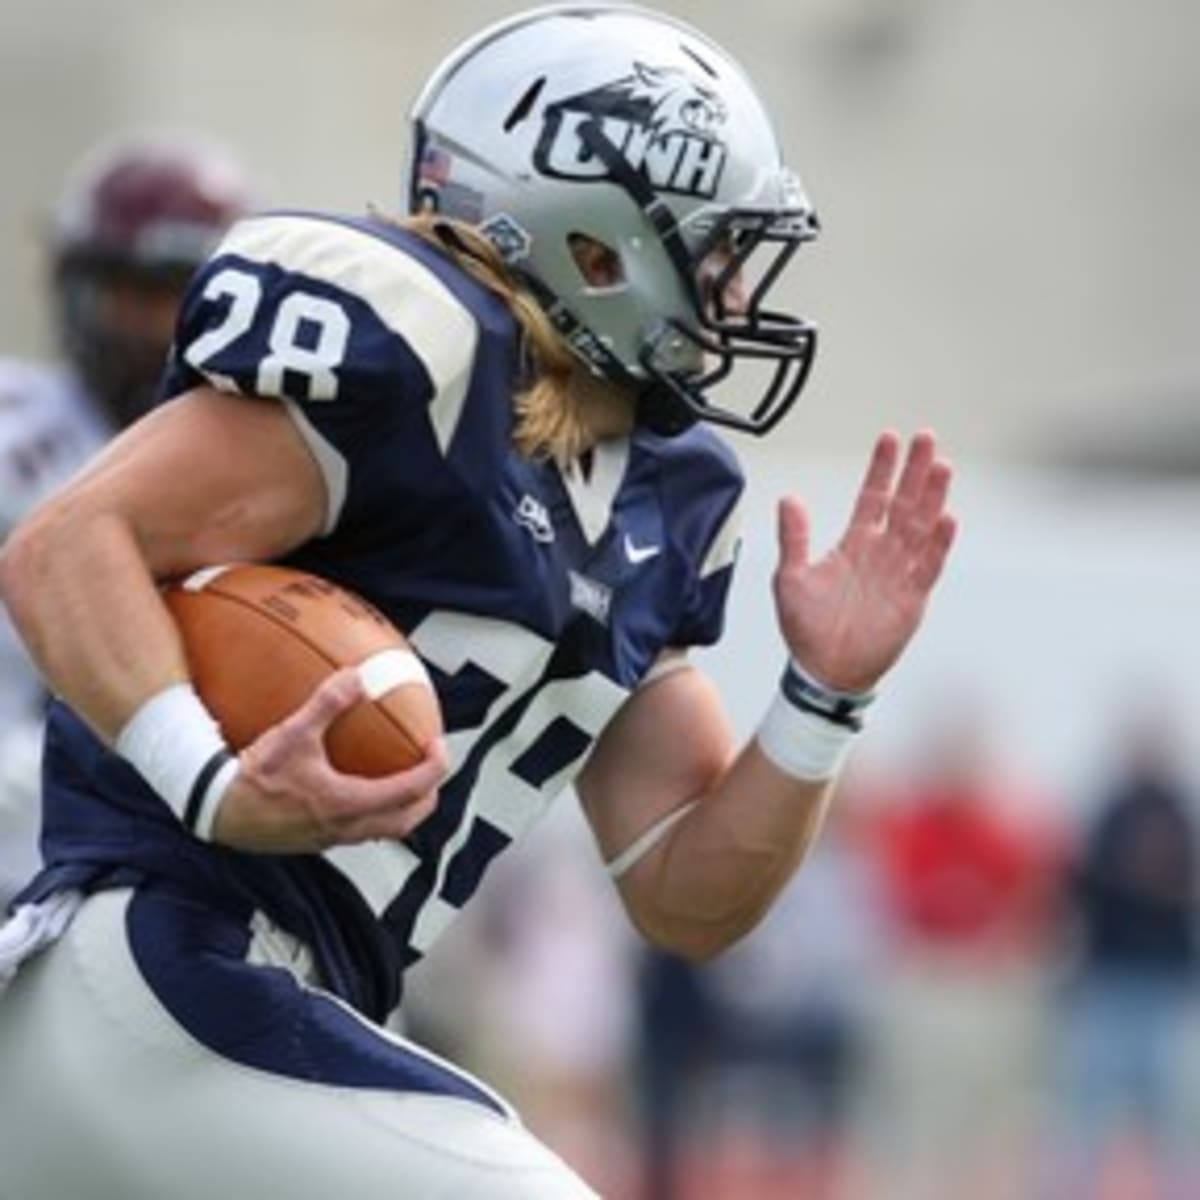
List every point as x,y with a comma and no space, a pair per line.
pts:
960,871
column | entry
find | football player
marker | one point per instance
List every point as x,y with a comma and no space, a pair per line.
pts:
493,418
136,217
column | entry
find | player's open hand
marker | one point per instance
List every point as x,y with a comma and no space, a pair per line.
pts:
847,617
287,798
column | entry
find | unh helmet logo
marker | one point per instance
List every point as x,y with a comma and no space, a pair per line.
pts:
663,121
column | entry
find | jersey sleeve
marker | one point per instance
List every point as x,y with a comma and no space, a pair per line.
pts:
370,348
706,492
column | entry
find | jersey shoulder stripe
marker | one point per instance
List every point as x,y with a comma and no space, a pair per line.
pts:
410,299
396,366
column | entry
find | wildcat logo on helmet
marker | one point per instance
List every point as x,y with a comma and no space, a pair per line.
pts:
661,120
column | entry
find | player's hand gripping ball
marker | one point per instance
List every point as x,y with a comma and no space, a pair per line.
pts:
259,639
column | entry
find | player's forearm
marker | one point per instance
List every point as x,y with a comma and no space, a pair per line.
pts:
83,599
79,574
722,866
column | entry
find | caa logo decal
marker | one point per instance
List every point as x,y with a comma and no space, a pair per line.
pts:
533,515
509,238
662,120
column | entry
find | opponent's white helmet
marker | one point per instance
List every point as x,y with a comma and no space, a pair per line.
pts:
638,132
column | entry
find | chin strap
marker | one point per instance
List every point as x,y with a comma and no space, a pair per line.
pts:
643,195
663,413
658,409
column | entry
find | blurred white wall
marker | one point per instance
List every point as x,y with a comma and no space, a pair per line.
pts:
1008,190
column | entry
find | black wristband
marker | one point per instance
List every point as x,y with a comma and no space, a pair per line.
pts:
839,708
208,772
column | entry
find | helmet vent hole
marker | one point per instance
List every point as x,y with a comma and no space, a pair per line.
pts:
702,63
600,265
523,106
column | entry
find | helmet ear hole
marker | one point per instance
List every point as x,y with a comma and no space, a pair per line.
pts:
599,264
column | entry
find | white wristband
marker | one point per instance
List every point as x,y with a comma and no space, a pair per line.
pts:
804,744
178,749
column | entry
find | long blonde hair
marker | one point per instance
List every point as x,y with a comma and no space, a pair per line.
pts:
549,421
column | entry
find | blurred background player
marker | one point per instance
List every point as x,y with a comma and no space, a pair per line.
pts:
967,860
136,216
1130,905
751,1066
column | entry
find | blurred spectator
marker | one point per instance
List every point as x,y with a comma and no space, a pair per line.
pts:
1132,905
968,859
675,1022
967,872
752,1064
135,218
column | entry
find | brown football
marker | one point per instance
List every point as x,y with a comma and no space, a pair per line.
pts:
260,638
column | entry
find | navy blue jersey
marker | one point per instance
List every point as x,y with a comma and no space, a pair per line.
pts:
537,598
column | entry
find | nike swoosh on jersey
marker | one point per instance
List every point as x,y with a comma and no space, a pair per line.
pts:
639,554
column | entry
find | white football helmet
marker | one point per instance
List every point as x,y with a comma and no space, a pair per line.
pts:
634,130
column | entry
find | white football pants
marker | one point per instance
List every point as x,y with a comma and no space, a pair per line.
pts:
104,1095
